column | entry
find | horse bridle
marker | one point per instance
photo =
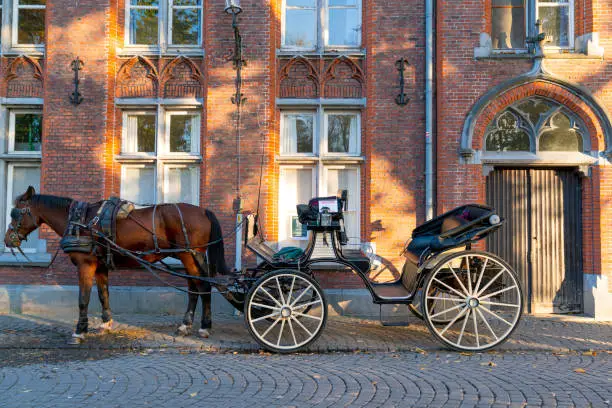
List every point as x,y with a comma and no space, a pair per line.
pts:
17,214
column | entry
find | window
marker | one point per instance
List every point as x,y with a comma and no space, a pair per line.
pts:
557,18
308,24
20,166
536,125
326,143
510,19
29,22
508,24
160,156
151,23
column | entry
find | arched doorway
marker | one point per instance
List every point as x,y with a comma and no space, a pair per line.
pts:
533,150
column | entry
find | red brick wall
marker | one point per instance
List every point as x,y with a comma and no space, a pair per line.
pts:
462,80
80,142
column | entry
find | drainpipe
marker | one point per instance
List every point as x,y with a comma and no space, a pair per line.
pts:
428,109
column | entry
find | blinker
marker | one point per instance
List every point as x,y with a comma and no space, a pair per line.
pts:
15,214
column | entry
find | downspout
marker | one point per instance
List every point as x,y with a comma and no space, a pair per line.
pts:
428,109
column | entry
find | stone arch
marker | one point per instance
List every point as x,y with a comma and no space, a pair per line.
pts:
299,79
137,78
343,79
575,98
181,78
24,78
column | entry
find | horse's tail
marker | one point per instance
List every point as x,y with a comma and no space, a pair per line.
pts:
216,251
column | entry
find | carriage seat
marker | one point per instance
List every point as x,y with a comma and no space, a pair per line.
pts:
420,243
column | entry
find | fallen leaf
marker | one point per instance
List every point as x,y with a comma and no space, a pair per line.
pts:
590,353
580,370
465,353
193,394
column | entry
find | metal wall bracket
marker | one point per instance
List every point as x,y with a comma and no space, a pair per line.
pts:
75,97
401,64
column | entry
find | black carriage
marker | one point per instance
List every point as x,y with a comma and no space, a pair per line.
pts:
470,300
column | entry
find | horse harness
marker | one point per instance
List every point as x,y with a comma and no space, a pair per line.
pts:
17,214
98,235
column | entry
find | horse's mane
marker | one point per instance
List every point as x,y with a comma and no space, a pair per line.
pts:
51,201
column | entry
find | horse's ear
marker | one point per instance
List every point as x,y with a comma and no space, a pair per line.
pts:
28,194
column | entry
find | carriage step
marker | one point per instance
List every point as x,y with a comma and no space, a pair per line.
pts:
390,323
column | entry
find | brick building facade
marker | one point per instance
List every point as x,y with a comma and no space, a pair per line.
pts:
157,123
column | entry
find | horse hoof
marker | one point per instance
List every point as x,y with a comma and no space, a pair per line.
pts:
204,333
108,326
183,330
76,339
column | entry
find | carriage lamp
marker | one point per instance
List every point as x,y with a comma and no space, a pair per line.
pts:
233,7
494,219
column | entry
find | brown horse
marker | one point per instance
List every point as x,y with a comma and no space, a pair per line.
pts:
134,234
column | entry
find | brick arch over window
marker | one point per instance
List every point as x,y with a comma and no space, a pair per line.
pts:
181,78
299,79
137,78
24,78
343,79
576,99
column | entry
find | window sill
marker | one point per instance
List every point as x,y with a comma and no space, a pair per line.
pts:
131,51
138,158
32,51
548,54
316,159
36,259
35,157
327,52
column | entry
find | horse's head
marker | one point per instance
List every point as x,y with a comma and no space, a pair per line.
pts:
23,221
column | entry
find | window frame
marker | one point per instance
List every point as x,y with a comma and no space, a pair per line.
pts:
320,137
9,33
11,131
288,216
320,163
531,16
195,142
315,145
326,24
571,23
164,31
325,134
126,129
10,169
8,161
162,158
321,28
15,20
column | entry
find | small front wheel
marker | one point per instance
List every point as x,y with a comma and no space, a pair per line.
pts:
483,301
285,311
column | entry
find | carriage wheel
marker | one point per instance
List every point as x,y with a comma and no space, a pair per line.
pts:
285,311
486,296
439,303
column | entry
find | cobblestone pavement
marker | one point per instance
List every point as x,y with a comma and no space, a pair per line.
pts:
203,379
552,333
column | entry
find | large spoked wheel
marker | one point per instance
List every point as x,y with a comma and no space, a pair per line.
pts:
486,301
440,301
285,311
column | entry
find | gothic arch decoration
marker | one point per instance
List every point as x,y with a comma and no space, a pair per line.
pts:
343,79
536,125
24,78
137,78
299,79
575,100
181,78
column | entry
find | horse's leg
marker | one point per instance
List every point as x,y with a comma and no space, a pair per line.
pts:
185,328
206,310
86,274
204,288
102,283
